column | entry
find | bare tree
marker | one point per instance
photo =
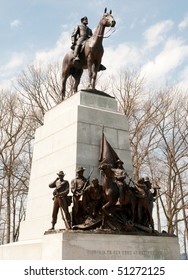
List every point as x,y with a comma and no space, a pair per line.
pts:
127,89
15,159
158,139
40,87
130,93
172,153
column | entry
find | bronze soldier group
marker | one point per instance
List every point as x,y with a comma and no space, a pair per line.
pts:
89,198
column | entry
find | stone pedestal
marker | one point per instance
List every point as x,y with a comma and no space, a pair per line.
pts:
70,137
92,246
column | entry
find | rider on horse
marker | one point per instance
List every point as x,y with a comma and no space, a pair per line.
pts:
90,57
79,35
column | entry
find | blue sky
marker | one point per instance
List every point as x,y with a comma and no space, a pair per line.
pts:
150,35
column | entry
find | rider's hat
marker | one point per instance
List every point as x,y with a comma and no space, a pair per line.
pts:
61,173
84,18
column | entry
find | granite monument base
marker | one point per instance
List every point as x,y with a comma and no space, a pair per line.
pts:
92,246
65,245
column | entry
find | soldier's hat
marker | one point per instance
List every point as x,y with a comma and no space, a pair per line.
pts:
61,173
80,168
84,18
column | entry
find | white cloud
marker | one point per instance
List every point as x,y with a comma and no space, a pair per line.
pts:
15,24
16,60
55,54
157,33
9,70
172,56
183,24
121,57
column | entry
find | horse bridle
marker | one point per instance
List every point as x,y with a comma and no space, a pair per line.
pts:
106,33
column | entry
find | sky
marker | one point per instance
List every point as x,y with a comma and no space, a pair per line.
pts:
150,35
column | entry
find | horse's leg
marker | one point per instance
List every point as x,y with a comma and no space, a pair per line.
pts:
65,74
90,72
105,212
94,74
63,89
77,77
94,77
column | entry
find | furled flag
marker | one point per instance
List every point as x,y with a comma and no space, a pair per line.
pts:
107,153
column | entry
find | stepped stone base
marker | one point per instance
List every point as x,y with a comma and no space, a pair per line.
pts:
62,245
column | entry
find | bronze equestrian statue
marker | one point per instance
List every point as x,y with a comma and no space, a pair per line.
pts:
90,57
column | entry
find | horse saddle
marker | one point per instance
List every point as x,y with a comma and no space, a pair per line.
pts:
101,67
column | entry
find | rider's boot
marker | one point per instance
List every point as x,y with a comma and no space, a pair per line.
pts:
76,53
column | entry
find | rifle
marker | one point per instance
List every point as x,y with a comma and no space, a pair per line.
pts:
130,179
62,214
85,185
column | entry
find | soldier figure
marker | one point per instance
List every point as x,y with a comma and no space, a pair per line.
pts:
120,175
151,195
93,198
61,200
79,35
78,186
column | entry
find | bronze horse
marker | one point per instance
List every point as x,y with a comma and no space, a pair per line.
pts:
90,57
111,191
137,199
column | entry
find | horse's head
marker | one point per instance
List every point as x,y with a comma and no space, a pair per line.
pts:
107,19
